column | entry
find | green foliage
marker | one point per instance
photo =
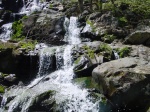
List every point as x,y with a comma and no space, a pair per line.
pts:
91,25
122,21
30,45
105,47
140,7
24,17
50,5
90,52
108,38
108,6
124,52
2,89
17,27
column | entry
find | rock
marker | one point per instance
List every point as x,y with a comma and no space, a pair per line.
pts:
85,67
125,82
45,27
43,102
12,5
12,61
140,35
10,78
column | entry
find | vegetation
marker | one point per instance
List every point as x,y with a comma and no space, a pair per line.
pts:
2,89
17,31
124,52
89,51
29,45
108,38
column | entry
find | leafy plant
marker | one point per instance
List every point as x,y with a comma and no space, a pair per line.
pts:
17,28
30,45
124,52
122,21
108,38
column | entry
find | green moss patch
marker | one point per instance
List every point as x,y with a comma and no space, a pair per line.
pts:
2,89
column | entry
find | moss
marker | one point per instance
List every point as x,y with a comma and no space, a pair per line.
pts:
77,60
50,5
124,52
24,17
17,28
90,52
2,89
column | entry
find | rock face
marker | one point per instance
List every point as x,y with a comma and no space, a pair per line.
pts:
45,27
139,37
14,61
141,34
125,82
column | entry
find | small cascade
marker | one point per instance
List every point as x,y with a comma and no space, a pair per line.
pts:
46,61
33,6
6,32
116,55
73,31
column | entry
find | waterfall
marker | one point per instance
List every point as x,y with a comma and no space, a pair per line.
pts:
69,97
6,32
116,54
73,31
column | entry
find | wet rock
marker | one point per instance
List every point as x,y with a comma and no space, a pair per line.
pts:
10,78
15,61
86,65
43,102
125,82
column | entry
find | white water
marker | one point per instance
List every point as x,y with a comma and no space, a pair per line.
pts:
73,31
6,32
69,97
33,6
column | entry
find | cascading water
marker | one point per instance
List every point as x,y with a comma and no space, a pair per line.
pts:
68,96
6,32
73,31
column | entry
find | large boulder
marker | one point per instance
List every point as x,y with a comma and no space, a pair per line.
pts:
125,82
45,27
141,34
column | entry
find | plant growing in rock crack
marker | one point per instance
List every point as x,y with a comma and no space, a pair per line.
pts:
90,52
17,28
106,51
108,38
124,52
91,25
